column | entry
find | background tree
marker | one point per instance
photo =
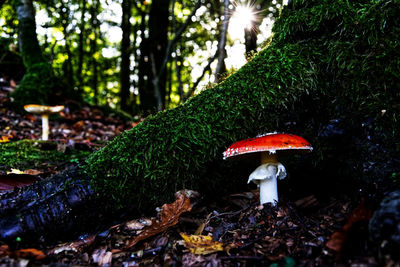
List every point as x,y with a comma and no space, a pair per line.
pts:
125,54
221,51
79,40
39,84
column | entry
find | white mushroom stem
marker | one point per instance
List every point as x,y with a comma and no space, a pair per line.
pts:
45,127
266,175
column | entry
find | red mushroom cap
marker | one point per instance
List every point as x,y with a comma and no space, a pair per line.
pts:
269,142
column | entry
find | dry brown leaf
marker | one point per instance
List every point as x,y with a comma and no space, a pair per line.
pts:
31,253
32,172
78,126
338,239
9,181
4,139
15,171
201,244
170,214
4,250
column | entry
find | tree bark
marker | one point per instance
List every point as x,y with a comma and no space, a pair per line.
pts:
250,39
221,68
93,48
65,22
125,54
27,38
81,49
39,85
152,88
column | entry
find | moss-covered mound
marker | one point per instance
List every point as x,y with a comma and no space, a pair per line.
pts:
331,74
40,86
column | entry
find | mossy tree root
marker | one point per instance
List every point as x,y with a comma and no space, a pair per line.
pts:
47,210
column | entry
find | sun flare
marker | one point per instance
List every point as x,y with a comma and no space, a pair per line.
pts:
244,16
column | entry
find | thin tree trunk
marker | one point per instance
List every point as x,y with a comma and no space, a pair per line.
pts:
178,68
250,32
125,54
152,85
39,85
93,44
169,91
250,38
81,45
27,38
158,38
145,96
65,23
220,69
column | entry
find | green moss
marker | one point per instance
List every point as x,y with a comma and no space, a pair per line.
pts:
328,60
31,154
39,86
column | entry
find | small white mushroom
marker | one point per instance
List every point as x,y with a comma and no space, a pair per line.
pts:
265,176
44,111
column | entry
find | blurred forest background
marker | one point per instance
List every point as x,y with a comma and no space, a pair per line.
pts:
139,56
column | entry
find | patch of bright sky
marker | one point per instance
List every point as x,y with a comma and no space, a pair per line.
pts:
112,12
236,53
2,24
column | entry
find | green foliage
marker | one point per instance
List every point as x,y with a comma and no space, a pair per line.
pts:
31,154
9,28
328,60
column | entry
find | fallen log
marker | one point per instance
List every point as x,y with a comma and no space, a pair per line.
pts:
48,210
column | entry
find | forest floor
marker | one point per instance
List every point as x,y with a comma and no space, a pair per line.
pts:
189,232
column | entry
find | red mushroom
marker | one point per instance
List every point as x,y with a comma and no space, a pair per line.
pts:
269,145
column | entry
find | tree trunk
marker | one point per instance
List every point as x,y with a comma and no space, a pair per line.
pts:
27,39
93,48
221,68
39,85
250,39
152,88
125,54
250,32
309,75
65,21
146,96
81,45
